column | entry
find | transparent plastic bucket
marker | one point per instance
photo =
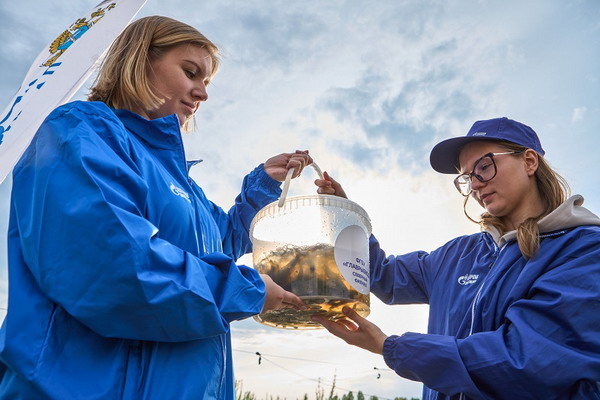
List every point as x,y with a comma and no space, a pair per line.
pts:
317,247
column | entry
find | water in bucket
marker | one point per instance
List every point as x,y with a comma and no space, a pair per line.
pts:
317,248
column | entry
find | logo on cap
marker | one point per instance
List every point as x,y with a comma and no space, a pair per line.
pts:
480,134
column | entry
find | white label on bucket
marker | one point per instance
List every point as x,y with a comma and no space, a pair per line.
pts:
351,254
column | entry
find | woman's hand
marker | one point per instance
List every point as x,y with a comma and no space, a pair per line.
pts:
328,185
356,331
278,166
278,298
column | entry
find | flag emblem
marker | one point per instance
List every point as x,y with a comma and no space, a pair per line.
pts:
74,32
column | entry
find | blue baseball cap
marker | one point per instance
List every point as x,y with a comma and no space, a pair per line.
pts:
444,155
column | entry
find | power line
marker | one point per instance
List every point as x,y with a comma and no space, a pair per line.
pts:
289,358
303,359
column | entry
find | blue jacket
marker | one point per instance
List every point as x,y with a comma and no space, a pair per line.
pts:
500,326
122,281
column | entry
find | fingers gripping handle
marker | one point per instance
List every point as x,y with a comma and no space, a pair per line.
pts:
288,179
286,186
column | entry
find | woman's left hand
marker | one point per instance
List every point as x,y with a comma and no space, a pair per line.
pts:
277,297
355,330
328,185
278,166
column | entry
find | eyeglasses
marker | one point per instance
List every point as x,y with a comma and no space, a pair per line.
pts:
484,170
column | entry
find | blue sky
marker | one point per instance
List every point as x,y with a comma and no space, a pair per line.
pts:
368,87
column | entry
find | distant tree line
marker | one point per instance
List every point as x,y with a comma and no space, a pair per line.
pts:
319,395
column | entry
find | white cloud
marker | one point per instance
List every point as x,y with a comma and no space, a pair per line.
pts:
578,114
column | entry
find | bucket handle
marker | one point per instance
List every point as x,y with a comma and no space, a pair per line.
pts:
288,178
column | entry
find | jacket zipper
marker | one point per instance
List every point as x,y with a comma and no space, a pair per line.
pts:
186,171
222,340
478,294
201,248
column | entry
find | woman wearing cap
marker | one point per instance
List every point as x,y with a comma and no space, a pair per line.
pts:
123,275
514,310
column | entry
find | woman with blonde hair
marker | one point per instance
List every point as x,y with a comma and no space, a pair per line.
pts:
513,309
122,274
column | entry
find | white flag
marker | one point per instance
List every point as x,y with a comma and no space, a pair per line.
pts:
58,72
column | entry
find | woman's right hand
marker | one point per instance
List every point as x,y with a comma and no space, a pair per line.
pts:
278,298
355,330
328,185
278,166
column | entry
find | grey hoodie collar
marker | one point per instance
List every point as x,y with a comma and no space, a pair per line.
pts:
569,214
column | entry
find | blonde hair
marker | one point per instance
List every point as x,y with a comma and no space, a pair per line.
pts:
122,81
554,190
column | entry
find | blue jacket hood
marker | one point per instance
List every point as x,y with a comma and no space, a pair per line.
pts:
570,214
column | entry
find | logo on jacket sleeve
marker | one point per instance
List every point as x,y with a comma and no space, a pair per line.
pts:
468,279
179,192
